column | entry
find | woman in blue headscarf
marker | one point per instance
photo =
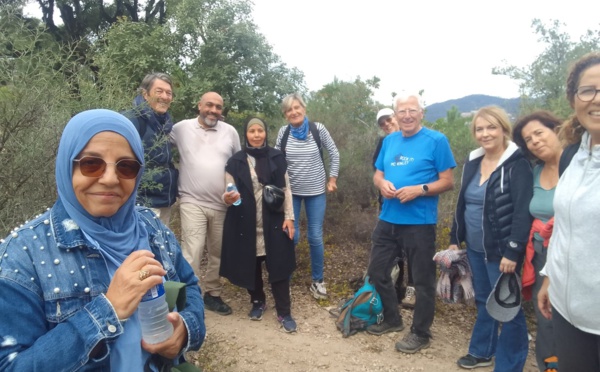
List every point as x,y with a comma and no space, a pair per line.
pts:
71,279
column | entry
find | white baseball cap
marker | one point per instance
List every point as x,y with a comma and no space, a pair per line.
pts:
384,112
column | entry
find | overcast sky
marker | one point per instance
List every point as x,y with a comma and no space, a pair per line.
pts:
447,48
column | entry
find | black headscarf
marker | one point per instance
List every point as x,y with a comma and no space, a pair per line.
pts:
262,167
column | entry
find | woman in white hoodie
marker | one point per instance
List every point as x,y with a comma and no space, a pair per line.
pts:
571,290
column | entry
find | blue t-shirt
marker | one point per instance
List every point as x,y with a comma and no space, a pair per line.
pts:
474,198
410,161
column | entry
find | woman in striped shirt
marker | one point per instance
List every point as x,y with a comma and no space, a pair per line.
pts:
301,142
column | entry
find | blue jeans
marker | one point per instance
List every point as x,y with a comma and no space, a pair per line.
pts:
511,347
314,207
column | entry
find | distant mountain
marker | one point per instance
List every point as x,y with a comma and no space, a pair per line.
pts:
471,103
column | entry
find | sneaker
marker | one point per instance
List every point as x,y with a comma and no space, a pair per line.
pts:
216,304
469,362
257,311
383,327
409,298
411,343
288,323
551,364
318,290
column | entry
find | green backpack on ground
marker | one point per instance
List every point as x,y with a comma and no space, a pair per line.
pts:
361,311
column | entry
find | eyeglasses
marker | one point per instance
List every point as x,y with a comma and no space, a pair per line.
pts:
403,113
91,166
587,93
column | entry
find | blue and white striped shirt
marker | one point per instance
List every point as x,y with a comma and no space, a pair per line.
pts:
305,166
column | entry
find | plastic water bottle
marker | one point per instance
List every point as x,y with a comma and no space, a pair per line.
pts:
231,187
152,313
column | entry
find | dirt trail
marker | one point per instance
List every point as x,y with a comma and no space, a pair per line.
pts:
235,343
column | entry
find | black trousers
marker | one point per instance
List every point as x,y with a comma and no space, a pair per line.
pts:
418,243
577,351
279,289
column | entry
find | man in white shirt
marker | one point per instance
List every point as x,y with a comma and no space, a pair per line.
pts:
205,144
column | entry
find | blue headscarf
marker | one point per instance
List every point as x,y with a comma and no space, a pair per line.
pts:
123,232
301,132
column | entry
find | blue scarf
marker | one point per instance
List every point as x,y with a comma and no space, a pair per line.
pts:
161,122
123,232
301,132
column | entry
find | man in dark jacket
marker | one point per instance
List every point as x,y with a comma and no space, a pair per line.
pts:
152,121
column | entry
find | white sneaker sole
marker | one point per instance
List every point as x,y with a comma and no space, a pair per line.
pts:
317,295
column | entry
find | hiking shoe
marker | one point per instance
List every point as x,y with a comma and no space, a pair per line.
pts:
411,343
409,298
318,290
469,362
384,327
288,323
216,304
257,311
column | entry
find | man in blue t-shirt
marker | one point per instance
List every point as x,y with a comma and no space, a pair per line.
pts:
412,169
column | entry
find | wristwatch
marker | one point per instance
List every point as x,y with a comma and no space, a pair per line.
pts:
424,189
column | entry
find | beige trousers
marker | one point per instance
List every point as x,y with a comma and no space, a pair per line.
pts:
163,213
201,228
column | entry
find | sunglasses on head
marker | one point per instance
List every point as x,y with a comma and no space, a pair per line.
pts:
91,166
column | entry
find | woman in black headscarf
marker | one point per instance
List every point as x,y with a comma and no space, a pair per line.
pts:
253,232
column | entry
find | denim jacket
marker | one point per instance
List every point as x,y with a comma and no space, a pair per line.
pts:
53,309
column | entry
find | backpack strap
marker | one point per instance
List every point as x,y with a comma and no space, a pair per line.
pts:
567,155
284,139
312,127
317,137
347,317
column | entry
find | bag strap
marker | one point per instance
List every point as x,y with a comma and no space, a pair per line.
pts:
312,127
567,155
317,137
284,139
347,317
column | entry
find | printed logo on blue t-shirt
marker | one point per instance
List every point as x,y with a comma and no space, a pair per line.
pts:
400,160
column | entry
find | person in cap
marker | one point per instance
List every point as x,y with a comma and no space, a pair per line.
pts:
71,279
413,168
254,232
492,218
387,122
